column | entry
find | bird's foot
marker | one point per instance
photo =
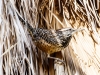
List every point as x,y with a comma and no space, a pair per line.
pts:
57,59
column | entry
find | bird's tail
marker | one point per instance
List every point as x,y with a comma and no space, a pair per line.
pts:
29,27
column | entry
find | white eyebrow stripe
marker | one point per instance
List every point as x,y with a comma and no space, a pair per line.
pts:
65,29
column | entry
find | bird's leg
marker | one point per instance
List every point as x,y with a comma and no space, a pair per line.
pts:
56,59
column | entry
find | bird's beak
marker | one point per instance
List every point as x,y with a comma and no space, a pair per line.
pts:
76,30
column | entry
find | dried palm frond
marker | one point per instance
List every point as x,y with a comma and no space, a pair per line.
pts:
19,55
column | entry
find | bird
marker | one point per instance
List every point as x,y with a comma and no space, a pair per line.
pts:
50,40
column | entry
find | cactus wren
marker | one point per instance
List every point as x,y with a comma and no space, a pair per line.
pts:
50,41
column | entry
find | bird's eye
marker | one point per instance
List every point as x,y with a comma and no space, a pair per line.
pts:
68,35
69,29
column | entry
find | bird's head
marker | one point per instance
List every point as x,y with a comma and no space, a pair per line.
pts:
70,31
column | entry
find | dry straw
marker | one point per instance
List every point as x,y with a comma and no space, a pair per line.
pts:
19,56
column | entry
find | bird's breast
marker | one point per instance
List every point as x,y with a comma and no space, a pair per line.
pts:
65,41
47,47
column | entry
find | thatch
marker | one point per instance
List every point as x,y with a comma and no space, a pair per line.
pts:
19,55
